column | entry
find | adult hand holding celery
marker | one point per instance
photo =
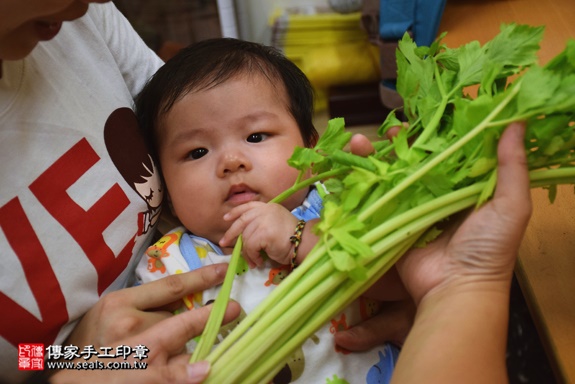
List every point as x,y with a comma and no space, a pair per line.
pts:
380,206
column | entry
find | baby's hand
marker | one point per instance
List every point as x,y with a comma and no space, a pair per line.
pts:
264,227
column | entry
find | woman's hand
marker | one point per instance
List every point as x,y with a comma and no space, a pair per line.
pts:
483,248
391,325
165,363
131,311
360,145
461,284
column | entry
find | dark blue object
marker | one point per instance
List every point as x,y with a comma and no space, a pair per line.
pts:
421,17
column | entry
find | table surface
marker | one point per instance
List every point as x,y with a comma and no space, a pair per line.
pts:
546,266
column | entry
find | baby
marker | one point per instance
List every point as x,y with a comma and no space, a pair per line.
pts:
222,118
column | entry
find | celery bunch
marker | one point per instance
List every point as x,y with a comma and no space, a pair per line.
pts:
382,205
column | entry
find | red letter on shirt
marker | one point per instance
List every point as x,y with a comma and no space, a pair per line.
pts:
17,324
86,227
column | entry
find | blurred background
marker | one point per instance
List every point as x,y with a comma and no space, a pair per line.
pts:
325,38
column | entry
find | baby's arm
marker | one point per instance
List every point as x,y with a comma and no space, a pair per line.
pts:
267,227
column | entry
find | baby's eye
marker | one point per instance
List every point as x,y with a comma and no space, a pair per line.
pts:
197,153
257,137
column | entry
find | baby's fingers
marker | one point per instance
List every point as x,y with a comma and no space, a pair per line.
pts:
241,210
241,216
231,235
251,252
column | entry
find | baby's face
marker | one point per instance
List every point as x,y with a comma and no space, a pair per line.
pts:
24,23
227,146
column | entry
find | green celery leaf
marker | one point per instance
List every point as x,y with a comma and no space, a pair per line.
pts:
471,58
554,146
349,159
415,74
435,144
552,193
563,100
427,106
357,184
541,130
351,244
342,260
390,121
489,188
537,87
489,81
448,58
303,158
334,137
318,158
564,63
401,144
515,46
429,235
359,273
330,214
333,185
437,183
481,166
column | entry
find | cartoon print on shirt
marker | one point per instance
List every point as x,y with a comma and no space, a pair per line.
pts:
368,307
381,371
335,380
336,326
276,275
294,367
292,370
130,155
159,250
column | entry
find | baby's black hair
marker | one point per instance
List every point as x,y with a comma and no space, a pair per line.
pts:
211,62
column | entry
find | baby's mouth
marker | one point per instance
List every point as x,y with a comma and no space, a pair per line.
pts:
240,194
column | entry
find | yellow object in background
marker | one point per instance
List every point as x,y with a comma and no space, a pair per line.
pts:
330,48
341,64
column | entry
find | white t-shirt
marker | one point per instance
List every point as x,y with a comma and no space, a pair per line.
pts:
77,198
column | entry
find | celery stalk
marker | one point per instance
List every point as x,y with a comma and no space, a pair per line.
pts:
219,309
388,202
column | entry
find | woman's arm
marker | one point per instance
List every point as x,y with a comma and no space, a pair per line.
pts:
461,284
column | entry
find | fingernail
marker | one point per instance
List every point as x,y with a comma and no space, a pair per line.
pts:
221,269
198,372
